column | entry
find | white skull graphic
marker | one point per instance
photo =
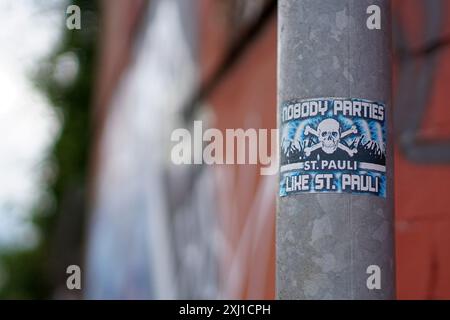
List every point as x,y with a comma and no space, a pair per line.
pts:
329,134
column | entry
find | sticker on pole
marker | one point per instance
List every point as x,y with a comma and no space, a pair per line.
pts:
333,145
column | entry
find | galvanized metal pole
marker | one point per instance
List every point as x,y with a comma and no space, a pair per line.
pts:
335,237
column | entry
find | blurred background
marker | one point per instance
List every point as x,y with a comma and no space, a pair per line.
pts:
86,177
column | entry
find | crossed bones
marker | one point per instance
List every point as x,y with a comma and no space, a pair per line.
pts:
351,152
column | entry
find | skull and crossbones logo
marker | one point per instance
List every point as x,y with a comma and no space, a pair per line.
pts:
330,134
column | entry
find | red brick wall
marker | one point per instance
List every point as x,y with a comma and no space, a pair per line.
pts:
422,201
422,207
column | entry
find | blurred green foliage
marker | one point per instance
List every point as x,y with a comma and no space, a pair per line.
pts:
39,272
